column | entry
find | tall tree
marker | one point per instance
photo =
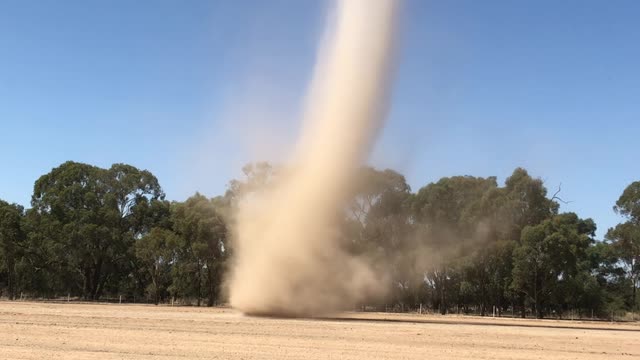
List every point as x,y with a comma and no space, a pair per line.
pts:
202,235
625,237
522,202
448,217
156,252
11,238
87,212
376,225
549,257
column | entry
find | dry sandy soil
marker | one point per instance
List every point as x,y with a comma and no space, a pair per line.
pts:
92,331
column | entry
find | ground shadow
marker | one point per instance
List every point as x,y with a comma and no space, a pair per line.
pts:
468,322
452,322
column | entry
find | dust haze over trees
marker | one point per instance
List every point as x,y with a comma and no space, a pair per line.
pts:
461,244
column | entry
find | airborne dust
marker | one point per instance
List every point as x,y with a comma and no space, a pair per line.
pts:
288,257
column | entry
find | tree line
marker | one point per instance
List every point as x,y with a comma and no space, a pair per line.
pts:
461,244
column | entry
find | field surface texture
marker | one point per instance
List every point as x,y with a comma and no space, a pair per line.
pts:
92,331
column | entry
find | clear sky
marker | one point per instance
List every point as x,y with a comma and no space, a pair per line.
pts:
185,88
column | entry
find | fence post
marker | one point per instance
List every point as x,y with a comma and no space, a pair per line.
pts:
120,301
420,308
68,297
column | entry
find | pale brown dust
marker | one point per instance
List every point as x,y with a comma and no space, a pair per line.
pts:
288,260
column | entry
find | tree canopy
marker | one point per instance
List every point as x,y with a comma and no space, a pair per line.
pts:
459,244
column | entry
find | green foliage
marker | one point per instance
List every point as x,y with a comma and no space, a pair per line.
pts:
548,260
201,249
625,240
257,177
462,243
629,202
11,243
88,218
156,253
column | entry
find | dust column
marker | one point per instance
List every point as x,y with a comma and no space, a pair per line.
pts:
288,254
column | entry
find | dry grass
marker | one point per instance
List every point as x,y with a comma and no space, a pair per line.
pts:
92,331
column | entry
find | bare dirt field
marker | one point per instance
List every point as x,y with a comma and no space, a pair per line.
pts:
96,331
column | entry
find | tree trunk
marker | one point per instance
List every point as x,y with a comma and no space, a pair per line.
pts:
156,295
11,268
443,307
634,281
211,284
86,286
154,281
96,280
635,290
482,297
199,286
535,293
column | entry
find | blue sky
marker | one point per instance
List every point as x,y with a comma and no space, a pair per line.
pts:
184,88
